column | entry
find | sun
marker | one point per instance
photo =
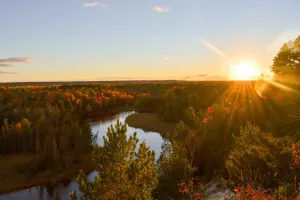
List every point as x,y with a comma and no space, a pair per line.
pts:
245,70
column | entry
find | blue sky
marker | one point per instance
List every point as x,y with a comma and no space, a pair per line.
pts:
138,39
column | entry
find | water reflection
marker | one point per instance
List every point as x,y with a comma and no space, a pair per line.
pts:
154,140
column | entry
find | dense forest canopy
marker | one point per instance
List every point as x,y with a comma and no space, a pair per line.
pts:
246,132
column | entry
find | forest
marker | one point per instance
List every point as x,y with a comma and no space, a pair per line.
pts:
246,133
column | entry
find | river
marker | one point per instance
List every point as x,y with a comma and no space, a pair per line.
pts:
42,192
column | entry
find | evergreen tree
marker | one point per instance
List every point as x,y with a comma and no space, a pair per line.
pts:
123,173
261,160
287,61
57,196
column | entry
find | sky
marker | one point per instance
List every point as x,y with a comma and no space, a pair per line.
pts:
76,40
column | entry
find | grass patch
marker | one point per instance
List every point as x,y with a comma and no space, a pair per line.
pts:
12,178
150,122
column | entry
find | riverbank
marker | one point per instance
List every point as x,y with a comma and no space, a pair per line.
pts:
14,169
13,176
109,113
150,122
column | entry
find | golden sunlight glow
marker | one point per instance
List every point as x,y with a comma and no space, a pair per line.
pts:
245,70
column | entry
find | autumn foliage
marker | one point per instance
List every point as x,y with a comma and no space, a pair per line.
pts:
190,189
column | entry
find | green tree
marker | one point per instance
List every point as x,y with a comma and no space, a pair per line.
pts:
262,160
174,166
123,173
57,196
287,60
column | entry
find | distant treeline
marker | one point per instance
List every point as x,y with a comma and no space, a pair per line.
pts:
49,120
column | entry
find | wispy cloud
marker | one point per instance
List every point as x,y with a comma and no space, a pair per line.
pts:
6,62
94,4
6,65
90,4
121,78
203,77
213,48
160,9
1,72
103,5
16,59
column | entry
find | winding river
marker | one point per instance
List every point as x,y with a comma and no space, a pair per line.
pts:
154,140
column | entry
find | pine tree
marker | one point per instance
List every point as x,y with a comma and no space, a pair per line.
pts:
287,60
47,155
57,196
123,173
3,137
66,151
